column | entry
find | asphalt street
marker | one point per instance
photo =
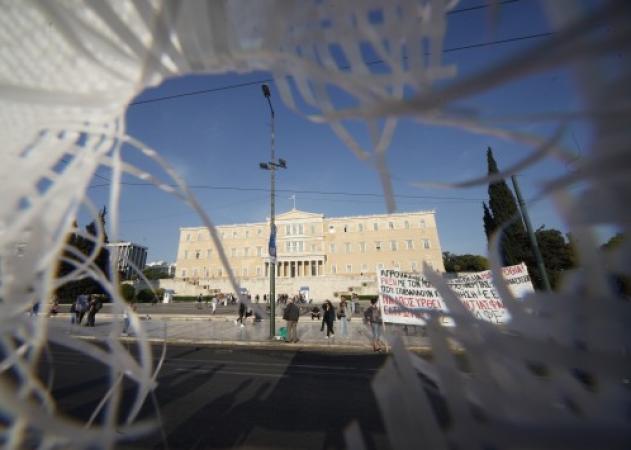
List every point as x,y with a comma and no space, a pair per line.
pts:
236,398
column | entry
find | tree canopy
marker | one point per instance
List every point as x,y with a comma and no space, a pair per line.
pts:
78,247
464,263
516,247
156,273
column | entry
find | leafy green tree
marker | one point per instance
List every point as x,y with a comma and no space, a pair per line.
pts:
464,263
156,273
127,291
621,282
557,255
145,296
614,242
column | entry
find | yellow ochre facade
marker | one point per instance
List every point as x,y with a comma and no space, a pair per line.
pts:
327,255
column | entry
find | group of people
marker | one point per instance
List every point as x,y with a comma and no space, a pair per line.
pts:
283,299
343,314
211,302
85,304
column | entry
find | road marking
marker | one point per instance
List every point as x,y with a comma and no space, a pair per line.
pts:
251,363
230,372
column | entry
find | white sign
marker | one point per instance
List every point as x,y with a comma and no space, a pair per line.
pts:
407,297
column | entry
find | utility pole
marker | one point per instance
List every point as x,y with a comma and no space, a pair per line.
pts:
272,165
533,239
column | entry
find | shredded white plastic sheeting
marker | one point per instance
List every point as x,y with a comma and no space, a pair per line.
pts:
68,70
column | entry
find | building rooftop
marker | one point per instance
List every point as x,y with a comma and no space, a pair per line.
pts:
297,212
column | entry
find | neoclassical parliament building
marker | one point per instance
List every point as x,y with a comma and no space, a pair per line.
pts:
326,256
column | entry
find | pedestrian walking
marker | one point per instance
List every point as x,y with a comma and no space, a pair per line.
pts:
241,314
343,315
81,307
213,303
328,318
248,313
199,301
372,316
129,310
291,314
54,308
73,313
93,308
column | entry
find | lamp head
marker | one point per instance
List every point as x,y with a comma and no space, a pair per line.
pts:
282,163
264,166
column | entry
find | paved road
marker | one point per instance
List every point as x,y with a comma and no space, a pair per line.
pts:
245,398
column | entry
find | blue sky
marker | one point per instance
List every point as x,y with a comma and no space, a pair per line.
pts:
218,139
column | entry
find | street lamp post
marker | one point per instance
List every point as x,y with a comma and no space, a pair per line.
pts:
272,165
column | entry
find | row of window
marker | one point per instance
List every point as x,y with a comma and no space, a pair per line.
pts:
206,273
234,234
245,251
333,269
299,247
381,245
364,267
298,229
376,226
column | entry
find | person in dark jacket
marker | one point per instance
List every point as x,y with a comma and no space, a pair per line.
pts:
291,315
93,307
328,318
242,311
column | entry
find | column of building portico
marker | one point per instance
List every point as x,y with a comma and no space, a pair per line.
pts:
307,268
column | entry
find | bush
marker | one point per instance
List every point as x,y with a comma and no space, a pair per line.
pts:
361,297
145,296
127,291
189,298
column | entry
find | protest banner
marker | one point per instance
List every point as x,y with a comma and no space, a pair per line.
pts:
407,298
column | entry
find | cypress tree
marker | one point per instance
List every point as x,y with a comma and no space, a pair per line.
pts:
69,291
102,260
503,209
489,222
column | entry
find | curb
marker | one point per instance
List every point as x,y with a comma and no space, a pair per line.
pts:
259,345
163,317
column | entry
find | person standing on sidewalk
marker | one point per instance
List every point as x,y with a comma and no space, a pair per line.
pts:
343,315
213,303
291,315
328,319
354,300
372,315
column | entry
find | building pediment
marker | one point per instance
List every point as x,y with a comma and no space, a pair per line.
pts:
296,214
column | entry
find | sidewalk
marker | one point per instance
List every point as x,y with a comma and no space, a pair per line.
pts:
222,330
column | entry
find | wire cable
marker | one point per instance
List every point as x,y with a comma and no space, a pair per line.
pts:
369,63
